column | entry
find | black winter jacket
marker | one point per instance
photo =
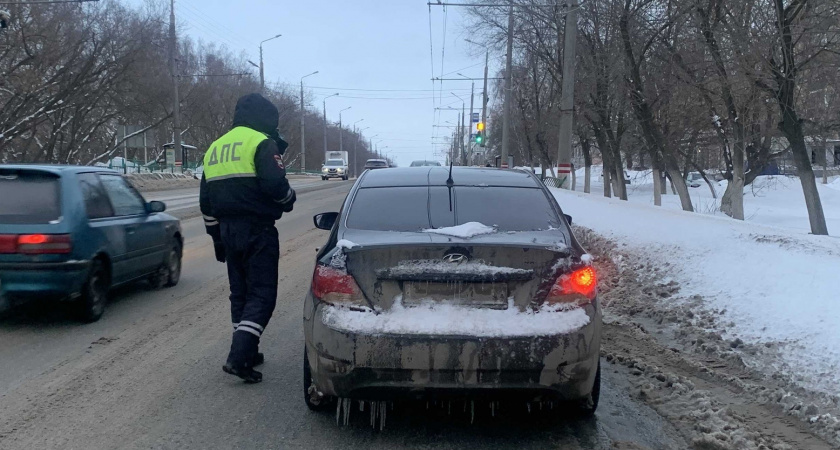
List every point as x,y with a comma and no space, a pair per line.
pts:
263,199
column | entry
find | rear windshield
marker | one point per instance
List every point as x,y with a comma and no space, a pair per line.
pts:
418,208
376,163
28,198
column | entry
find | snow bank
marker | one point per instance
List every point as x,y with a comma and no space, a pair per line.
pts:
447,320
771,284
770,200
465,231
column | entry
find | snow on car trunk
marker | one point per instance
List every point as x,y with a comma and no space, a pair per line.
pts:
771,285
475,274
442,319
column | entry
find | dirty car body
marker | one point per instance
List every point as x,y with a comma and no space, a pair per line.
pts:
403,305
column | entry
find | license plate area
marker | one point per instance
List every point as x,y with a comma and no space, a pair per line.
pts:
479,295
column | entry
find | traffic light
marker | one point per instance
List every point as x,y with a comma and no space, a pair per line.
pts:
479,137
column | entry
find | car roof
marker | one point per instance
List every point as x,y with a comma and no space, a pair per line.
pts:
437,176
56,168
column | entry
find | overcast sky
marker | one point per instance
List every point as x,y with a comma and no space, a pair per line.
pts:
375,53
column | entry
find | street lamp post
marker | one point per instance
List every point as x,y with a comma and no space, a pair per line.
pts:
470,143
370,144
341,130
356,146
303,125
325,121
262,71
463,111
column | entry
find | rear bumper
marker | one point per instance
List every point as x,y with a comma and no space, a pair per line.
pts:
559,367
41,280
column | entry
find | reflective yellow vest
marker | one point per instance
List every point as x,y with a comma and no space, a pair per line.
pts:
232,155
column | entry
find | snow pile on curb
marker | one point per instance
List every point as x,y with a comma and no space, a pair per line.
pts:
464,231
432,318
149,182
771,286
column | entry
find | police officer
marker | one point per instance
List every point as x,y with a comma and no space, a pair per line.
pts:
243,192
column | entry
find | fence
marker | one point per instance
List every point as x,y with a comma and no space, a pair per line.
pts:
135,166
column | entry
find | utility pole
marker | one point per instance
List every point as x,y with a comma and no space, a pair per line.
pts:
508,87
303,125
325,122
355,147
341,131
176,107
468,159
567,98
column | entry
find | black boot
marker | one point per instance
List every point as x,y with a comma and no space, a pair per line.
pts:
248,374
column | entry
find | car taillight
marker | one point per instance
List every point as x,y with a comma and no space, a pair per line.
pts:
44,244
8,243
577,288
337,287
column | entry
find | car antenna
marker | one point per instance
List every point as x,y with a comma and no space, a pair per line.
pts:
450,183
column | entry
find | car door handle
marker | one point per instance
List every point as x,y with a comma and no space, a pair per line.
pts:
130,230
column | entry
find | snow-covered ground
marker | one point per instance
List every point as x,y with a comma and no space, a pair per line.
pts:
773,282
770,200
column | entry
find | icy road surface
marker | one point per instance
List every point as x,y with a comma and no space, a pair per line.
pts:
148,375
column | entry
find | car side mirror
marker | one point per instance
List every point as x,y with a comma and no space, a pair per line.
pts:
325,221
568,218
155,207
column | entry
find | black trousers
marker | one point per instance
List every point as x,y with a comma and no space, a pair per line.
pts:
253,253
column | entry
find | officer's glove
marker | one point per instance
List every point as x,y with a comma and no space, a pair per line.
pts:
288,204
221,255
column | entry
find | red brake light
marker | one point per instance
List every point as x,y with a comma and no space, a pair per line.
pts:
44,244
577,288
337,287
32,239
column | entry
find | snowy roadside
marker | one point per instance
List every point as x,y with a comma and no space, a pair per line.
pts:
752,305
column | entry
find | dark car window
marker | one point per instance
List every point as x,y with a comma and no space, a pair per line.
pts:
29,197
390,209
410,208
97,203
124,199
509,209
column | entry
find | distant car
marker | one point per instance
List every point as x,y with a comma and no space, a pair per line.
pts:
73,233
425,163
376,164
694,179
444,297
334,168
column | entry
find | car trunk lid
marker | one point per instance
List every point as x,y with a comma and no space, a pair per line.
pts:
482,272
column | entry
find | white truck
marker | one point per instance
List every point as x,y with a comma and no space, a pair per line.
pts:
335,165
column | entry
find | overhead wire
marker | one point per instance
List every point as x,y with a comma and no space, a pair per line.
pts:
199,24
215,24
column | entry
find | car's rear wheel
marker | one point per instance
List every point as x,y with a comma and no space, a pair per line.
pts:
94,292
586,406
169,273
173,263
315,401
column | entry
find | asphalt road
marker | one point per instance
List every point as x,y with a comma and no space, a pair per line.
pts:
148,375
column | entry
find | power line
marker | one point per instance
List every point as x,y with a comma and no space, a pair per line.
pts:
378,90
214,24
205,29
